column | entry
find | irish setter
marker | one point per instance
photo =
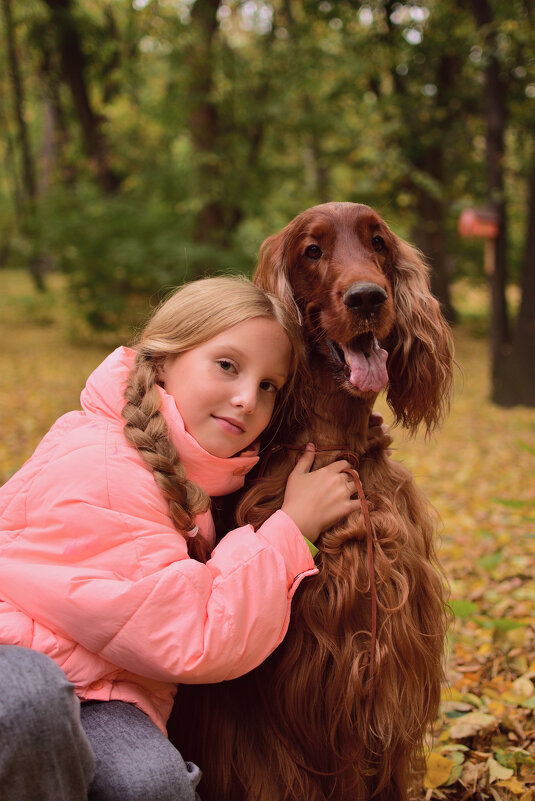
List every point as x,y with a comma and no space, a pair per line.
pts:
322,718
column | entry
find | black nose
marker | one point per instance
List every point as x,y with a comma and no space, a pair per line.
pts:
365,298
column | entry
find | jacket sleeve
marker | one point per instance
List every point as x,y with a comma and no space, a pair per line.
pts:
182,621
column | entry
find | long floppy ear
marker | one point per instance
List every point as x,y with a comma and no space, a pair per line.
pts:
420,346
272,272
273,275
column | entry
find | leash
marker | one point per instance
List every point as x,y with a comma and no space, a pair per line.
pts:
353,459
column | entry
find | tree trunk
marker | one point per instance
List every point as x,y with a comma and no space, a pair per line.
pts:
431,233
496,119
427,157
73,69
516,384
28,167
321,175
217,219
54,108
429,237
29,190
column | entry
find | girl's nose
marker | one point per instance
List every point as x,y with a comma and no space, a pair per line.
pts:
245,399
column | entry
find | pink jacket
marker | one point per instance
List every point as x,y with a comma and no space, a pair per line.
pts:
93,573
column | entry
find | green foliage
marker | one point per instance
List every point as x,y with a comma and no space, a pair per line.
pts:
246,119
124,248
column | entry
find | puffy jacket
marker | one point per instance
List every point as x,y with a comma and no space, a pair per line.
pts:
93,573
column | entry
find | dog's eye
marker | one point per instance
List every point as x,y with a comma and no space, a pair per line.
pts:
314,252
378,243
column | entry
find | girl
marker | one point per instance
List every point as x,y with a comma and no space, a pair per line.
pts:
107,561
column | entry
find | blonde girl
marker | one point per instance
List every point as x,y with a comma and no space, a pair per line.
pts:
112,589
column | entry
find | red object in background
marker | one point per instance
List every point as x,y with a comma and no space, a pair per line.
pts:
480,223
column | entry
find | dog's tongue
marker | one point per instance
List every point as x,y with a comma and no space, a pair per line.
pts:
367,370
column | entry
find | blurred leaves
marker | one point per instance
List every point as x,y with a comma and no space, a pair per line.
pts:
479,472
256,110
120,249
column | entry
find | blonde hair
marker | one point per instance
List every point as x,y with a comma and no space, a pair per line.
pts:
195,313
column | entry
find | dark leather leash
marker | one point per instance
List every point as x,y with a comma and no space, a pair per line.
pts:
353,459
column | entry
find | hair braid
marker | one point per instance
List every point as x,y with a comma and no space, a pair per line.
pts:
147,431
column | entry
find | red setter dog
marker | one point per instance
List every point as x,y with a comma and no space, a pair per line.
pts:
340,710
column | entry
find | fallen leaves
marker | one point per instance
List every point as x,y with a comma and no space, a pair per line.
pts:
479,472
439,770
41,371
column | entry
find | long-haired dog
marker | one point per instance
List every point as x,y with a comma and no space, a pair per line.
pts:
341,709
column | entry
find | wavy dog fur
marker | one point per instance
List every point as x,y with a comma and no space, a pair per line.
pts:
301,727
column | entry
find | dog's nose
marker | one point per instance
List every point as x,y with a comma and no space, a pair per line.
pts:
364,298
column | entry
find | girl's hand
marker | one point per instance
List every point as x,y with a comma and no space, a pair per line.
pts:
315,501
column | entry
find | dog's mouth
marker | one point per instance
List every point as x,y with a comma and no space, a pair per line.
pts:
363,362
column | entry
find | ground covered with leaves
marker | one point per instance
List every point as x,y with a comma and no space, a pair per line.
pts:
478,470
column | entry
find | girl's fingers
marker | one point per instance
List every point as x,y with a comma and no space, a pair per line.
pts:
306,459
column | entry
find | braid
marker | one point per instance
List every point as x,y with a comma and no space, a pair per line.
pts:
147,431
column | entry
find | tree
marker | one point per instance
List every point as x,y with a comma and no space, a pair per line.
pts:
26,207
73,70
512,363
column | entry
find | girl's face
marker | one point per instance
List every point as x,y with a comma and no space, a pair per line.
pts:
225,389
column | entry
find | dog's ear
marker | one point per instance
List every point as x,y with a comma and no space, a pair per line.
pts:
420,346
273,267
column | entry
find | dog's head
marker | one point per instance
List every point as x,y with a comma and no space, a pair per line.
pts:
369,317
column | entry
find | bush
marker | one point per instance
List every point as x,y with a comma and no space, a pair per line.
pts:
120,250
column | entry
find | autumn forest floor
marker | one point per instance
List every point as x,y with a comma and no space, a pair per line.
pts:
478,470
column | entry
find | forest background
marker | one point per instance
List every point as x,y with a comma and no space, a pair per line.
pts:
150,142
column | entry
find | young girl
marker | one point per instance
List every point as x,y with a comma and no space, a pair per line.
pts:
107,561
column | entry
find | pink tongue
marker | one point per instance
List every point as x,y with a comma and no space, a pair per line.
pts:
368,373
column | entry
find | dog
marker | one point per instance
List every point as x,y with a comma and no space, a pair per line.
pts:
342,707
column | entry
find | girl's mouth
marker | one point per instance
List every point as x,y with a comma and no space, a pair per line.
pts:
230,425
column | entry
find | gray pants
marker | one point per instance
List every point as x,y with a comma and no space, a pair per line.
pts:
52,748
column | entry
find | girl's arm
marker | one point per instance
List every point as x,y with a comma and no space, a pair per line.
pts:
186,621
98,561
95,558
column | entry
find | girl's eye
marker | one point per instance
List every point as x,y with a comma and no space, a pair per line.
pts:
268,386
226,365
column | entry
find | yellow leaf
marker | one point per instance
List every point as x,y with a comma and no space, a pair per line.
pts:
497,708
438,770
497,771
513,785
450,694
517,636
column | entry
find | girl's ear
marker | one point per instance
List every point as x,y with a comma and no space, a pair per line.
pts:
160,372
161,369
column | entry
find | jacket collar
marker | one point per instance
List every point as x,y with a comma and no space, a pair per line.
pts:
103,395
